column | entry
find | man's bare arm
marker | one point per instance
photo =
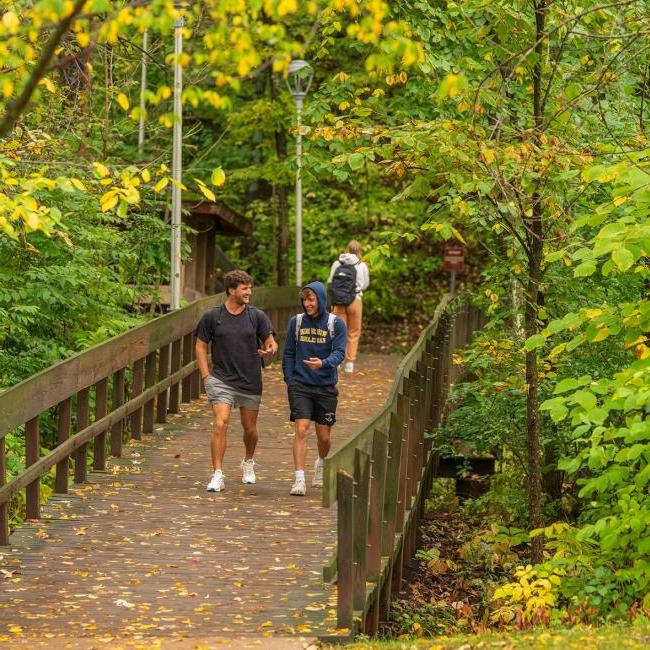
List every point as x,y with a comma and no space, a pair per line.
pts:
201,348
269,347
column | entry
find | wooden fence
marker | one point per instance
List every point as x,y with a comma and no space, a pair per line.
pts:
133,380
380,477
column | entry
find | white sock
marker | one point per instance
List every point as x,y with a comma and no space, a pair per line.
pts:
319,462
218,472
300,475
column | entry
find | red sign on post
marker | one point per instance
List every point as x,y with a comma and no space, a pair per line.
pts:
453,257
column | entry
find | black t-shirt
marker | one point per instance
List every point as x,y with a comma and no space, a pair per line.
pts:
234,345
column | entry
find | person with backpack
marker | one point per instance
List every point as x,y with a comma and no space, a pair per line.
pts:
348,279
314,348
241,337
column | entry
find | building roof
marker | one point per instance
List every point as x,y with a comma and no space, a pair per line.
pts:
203,212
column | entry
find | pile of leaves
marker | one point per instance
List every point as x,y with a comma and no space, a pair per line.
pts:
450,583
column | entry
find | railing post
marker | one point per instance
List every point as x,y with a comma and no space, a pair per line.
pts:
149,381
136,389
378,466
63,433
186,393
4,507
163,373
395,429
32,453
118,400
403,411
344,491
101,408
360,528
80,456
175,388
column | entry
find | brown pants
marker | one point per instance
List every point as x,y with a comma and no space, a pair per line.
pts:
351,316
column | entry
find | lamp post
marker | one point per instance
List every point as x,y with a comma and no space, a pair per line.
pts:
177,163
298,81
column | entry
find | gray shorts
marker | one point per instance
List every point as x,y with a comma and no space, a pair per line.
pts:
220,393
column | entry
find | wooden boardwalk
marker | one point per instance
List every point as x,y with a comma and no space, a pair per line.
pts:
143,554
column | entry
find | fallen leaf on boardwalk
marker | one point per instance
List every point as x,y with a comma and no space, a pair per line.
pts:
120,602
15,629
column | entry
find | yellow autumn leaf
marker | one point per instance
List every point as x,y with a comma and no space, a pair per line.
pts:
161,184
7,87
15,629
488,155
101,170
78,184
146,176
83,39
218,177
207,192
11,21
48,84
123,101
109,203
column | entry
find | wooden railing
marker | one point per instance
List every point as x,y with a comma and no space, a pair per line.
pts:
133,380
380,477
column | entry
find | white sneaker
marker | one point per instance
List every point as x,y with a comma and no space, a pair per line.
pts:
317,481
349,366
298,489
248,472
216,484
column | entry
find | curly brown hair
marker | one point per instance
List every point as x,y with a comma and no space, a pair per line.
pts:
235,278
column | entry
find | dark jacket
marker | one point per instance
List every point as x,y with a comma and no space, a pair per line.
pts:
314,340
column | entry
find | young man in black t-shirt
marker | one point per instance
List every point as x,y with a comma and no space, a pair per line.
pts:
235,330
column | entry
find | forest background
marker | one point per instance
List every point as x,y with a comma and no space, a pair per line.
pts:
518,128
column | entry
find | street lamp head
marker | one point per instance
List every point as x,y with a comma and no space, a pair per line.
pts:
299,78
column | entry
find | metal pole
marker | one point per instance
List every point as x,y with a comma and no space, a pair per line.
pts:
452,282
143,88
177,162
299,100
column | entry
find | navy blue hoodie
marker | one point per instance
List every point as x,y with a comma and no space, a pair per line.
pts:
314,341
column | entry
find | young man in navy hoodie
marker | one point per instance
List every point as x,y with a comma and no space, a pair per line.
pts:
314,349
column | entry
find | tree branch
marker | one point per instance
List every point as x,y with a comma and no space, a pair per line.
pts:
15,108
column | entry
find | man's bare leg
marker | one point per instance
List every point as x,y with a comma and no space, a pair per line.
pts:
219,428
249,425
300,444
323,435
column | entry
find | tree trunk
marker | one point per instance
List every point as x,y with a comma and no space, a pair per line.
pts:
535,252
281,193
282,206
532,406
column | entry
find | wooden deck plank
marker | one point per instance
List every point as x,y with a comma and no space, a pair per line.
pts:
142,550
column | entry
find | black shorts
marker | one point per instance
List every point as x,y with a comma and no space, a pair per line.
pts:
317,403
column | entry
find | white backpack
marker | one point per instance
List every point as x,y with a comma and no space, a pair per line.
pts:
330,324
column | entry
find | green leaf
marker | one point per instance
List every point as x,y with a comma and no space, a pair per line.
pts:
585,399
623,258
567,384
585,269
534,342
356,161
555,407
